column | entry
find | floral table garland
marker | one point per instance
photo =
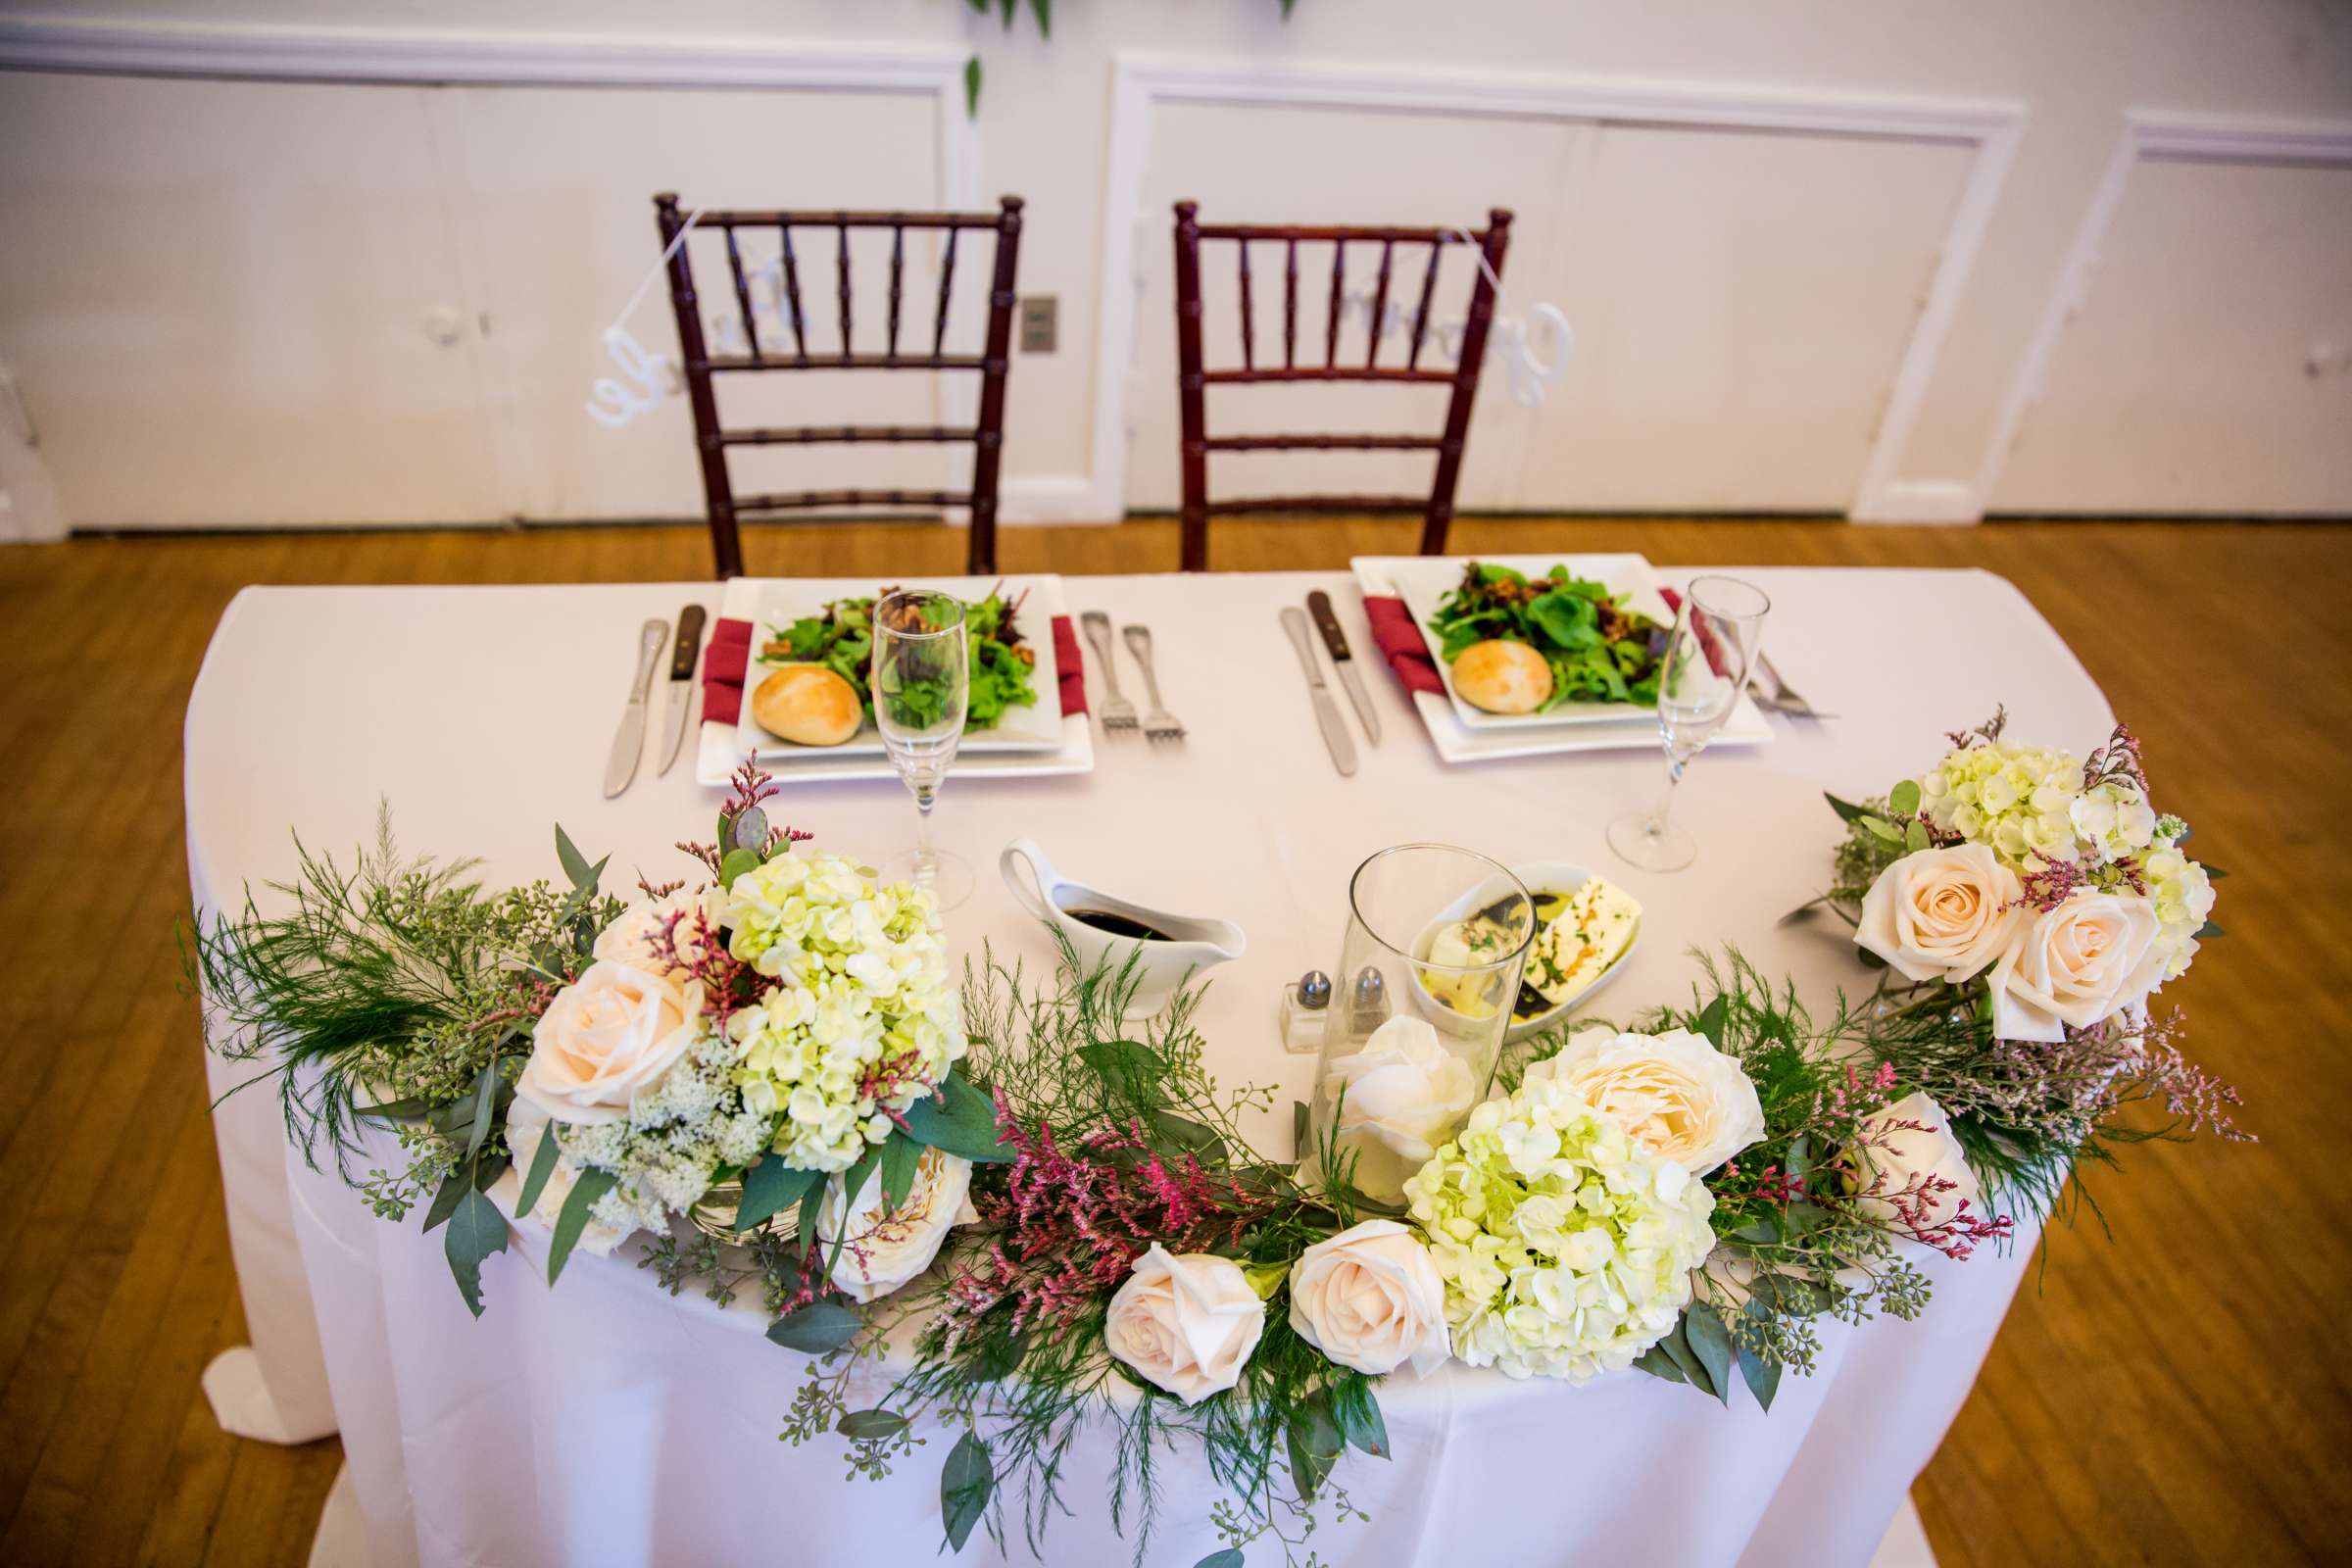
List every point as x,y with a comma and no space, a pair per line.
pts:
1062,1215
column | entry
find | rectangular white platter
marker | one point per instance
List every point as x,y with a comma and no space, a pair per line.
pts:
722,748
1622,729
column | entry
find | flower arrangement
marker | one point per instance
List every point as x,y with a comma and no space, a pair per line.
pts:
1051,1214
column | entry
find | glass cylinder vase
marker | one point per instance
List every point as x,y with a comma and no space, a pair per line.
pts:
1430,966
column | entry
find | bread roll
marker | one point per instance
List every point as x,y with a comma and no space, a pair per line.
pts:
807,705
1502,677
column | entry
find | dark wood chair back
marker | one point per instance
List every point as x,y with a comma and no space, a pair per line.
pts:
1194,378
701,365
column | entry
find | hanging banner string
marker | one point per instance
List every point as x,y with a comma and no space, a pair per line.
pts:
1529,375
615,405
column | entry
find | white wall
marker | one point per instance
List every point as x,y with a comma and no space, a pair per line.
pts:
1821,254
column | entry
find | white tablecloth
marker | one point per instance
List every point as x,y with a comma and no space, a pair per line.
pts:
604,1422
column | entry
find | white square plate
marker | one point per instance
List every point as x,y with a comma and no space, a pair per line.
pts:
779,601
1456,742
1422,581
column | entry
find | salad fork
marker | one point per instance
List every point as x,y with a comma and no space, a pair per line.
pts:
1158,724
1119,714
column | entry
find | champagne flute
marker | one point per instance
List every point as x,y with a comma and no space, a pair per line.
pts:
1701,677
922,686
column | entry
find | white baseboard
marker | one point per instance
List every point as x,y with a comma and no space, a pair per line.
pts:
1939,501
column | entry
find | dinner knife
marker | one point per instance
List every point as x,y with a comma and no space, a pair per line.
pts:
1343,660
628,741
1327,712
682,656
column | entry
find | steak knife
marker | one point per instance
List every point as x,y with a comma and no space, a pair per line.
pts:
628,741
1343,660
682,656
1327,712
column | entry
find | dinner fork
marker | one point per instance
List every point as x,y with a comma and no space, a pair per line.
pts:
1783,698
1119,714
1158,724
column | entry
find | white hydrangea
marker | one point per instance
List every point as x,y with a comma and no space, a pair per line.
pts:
2019,799
2182,893
1566,1248
864,1020
668,1150
2114,819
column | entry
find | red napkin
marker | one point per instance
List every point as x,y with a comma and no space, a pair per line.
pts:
1706,633
729,654
1401,644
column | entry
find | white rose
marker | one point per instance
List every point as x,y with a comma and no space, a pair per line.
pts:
2088,957
1405,1090
1187,1324
1674,1093
526,1125
1371,1298
885,1249
1941,913
608,1038
1898,1153
629,940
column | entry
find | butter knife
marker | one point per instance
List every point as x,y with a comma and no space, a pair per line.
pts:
682,656
1343,660
628,741
1327,712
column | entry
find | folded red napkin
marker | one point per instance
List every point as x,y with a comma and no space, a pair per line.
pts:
729,654
1401,644
1706,633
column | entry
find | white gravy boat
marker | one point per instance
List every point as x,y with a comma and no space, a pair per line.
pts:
1193,944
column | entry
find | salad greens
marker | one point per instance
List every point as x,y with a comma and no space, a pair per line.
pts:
1598,649
842,639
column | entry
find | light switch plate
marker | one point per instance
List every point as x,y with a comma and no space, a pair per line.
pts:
1039,313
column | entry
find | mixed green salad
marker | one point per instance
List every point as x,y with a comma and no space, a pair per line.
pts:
1600,651
842,639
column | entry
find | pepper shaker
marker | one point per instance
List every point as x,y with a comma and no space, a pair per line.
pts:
1306,1010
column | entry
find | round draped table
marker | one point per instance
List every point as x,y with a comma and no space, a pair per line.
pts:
605,1421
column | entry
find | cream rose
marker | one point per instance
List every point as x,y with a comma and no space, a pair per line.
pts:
1928,1149
1371,1298
1942,914
2091,957
885,1249
629,939
608,1038
1186,1324
1398,1098
1674,1093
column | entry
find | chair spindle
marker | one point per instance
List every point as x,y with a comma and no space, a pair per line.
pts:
947,277
1240,249
1290,306
1338,293
842,266
898,267
1429,287
1380,302
792,294
743,297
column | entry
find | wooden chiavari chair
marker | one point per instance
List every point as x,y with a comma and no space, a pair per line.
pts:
1193,379
701,365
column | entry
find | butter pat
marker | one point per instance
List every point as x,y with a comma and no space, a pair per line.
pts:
1594,926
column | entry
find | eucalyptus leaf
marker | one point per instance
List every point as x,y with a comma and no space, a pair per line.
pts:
771,1187
1712,1020
971,86
749,830
485,1101
1915,836
1883,829
543,1166
1231,1556
1190,1137
959,1119
476,1229
1044,11
813,1204
1903,799
1703,1330
899,1156
734,865
1658,1364
591,1186
998,1360
965,1482
2208,929
576,869
1360,1421
866,1424
445,1201
1315,1442
1695,1371
408,1108
1763,1378
1301,1128
1127,1068
1847,810
817,1328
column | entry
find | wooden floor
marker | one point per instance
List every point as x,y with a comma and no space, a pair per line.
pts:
2181,1396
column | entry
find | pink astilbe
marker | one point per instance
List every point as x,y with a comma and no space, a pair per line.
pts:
1075,1215
2116,762
728,983
1922,1208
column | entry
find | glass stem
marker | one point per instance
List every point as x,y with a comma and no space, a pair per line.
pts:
926,857
1675,763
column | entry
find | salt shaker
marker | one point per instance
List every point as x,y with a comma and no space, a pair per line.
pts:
1305,1008
1368,1008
